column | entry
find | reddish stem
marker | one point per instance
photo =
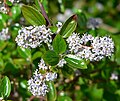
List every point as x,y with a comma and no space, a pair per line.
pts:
44,13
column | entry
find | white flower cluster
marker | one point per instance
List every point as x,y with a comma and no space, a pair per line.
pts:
33,36
89,47
4,35
74,42
37,84
61,63
94,23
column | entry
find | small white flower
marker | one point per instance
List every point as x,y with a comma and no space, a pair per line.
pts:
61,63
86,38
3,10
114,76
42,65
1,98
51,76
4,35
59,26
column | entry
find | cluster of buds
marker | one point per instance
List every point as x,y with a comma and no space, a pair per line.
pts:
4,35
37,84
33,36
89,47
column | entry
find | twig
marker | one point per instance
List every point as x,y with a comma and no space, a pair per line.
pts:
44,13
109,28
41,98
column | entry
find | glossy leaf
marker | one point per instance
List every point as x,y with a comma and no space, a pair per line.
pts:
24,52
69,26
16,11
51,58
116,39
51,95
3,45
53,29
59,44
81,19
5,87
8,2
33,16
67,71
36,55
76,62
45,4
20,61
1,64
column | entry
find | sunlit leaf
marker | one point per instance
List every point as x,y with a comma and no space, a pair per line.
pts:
33,16
59,44
5,87
51,58
76,62
69,26
51,95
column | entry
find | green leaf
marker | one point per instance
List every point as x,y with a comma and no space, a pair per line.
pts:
64,98
3,44
95,93
20,61
51,58
16,11
5,87
81,19
1,64
24,52
9,3
59,44
44,3
51,95
36,55
68,27
33,16
67,71
53,29
116,39
76,62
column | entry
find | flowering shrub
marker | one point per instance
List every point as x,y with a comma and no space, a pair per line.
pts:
49,58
